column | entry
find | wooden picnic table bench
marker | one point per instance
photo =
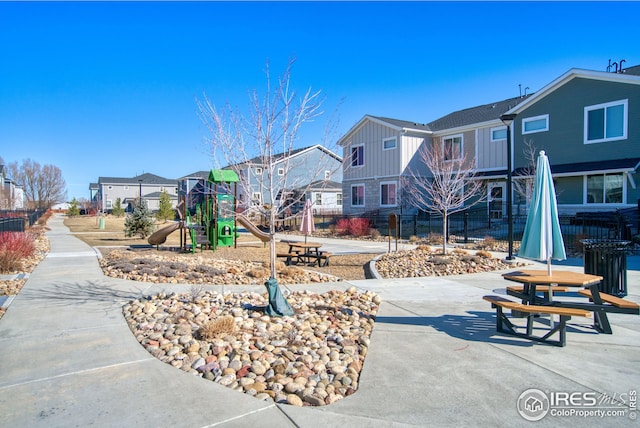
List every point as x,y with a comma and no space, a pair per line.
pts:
504,325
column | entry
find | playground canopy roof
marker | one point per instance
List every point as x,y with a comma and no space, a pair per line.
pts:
223,176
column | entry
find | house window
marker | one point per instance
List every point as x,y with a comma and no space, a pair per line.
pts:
281,171
109,187
498,134
605,189
452,147
109,204
258,171
327,175
605,122
357,155
339,199
389,143
388,194
357,195
256,198
531,125
318,198
126,187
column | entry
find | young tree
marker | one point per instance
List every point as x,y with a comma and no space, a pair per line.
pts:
523,185
73,208
43,185
140,222
117,209
452,186
165,210
271,130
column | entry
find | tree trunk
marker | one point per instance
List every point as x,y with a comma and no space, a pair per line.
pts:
444,232
272,242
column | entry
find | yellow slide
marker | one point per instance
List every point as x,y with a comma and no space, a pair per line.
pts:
246,223
160,236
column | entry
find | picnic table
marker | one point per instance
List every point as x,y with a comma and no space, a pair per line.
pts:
587,286
305,253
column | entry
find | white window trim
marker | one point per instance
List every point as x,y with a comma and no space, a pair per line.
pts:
395,143
533,119
498,128
604,204
256,197
280,171
327,175
258,170
339,199
382,183
587,109
364,194
351,165
452,137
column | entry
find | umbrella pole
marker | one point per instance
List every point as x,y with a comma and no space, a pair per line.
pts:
551,317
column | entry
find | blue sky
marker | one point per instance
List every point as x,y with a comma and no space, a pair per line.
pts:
109,89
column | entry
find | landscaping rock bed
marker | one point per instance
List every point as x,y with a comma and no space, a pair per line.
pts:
312,358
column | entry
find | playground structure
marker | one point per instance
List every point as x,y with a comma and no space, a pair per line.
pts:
213,222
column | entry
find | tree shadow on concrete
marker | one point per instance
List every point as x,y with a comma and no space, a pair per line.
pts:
80,293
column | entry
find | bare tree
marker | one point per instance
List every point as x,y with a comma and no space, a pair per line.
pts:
523,185
453,185
258,146
43,185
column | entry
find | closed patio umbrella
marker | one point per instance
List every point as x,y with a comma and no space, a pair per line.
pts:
307,225
542,238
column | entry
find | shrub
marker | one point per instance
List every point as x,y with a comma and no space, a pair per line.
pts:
375,234
489,243
359,227
213,329
14,248
413,239
440,260
485,254
459,251
425,248
342,226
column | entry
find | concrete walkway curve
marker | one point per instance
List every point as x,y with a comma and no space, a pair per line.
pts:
67,358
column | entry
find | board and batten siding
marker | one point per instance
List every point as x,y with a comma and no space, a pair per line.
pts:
491,155
409,146
564,141
377,162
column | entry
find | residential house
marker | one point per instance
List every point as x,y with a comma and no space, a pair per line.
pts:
314,171
11,193
149,186
377,152
588,123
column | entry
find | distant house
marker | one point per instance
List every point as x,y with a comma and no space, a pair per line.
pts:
312,170
11,193
149,186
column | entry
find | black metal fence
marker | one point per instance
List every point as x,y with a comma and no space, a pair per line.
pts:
476,224
18,220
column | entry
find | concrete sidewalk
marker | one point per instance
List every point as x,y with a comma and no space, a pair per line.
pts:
68,358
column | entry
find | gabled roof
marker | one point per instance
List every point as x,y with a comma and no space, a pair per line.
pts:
142,178
630,76
204,174
323,185
397,124
293,153
475,115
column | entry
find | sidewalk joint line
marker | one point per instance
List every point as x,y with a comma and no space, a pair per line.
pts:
76,373
239,416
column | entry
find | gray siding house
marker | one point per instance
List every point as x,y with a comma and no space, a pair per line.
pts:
129,190
313,171
588,123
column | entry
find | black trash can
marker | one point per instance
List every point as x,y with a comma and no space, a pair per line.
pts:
607,258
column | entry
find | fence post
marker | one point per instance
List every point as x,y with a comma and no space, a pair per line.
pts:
415,225
466,226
